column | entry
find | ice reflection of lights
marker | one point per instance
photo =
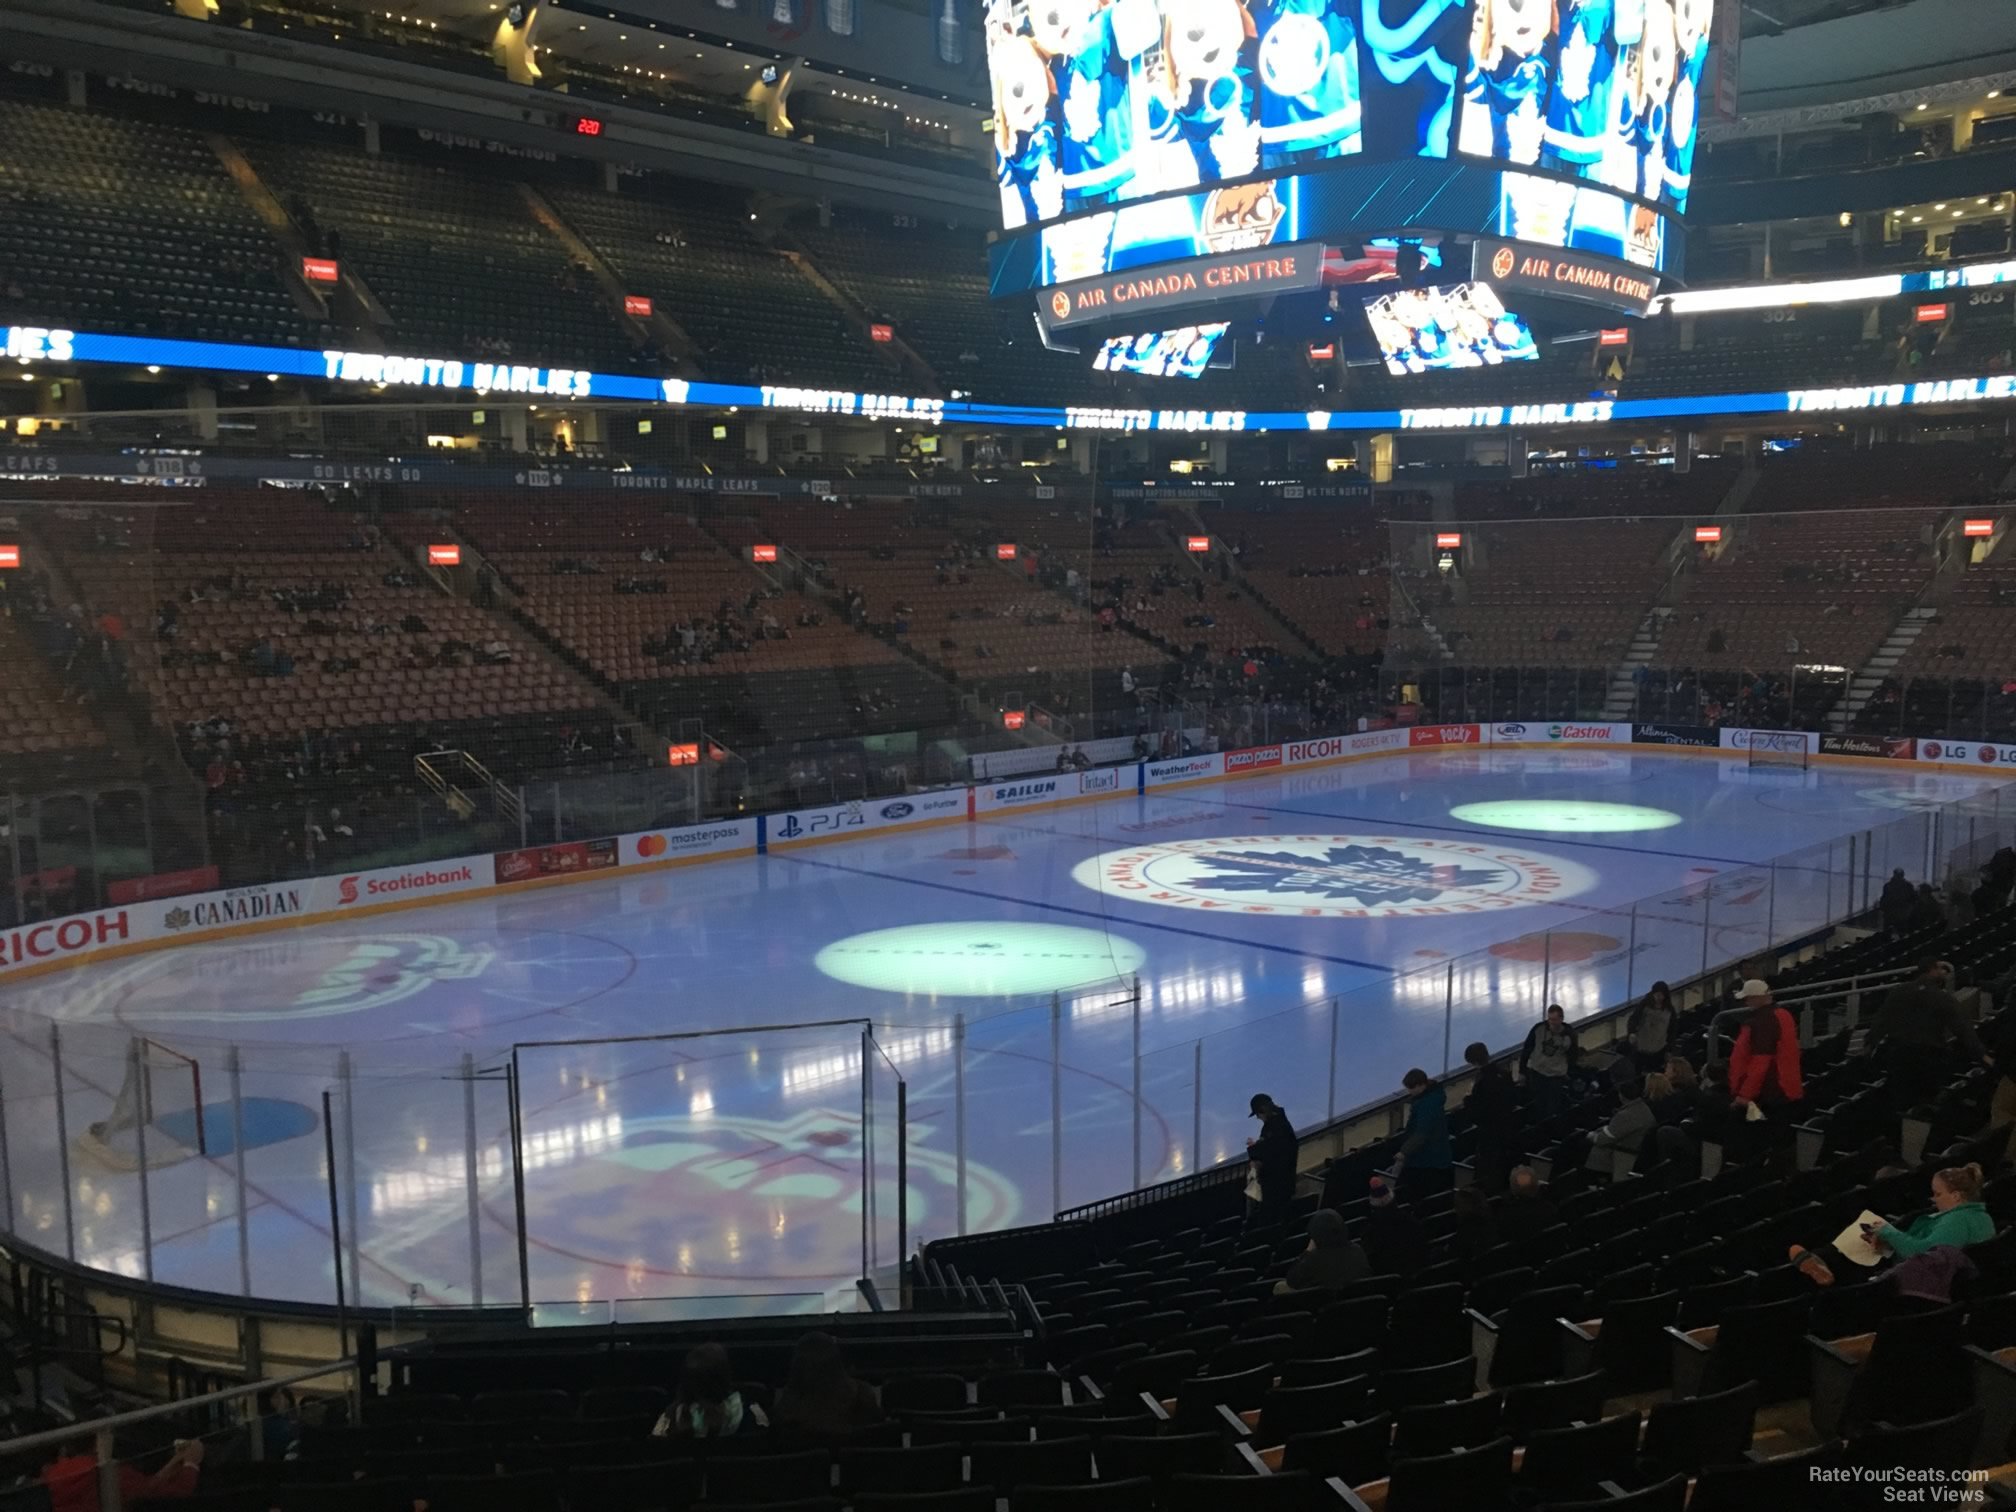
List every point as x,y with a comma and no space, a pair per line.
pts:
1180,996
443,1175
559,1146
702,1105
812,1074
1500,982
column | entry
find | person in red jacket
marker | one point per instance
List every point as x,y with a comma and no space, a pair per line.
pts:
71,1478
1764,1066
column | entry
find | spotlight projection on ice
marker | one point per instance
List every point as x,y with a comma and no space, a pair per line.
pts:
1565,816
979,959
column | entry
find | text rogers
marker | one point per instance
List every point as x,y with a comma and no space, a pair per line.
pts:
347,890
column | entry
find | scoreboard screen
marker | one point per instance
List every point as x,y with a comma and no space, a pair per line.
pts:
1098,103
1182,353
1452,326
1133,133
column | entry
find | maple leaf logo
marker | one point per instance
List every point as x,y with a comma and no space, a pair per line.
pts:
1366,874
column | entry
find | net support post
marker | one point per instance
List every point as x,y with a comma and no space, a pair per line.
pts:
1137,1082
346,1076
470,1176
136,1054
335,1221
63,1145
903,1187
867,1155
1330,1097
1056,1103
234,1074
959,1116
513,1095
6,1165
1197,1107
1631,958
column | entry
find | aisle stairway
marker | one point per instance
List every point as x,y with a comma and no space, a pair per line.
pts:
1864,685
1622,698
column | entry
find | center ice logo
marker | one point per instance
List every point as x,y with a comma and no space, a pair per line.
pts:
1371,874
1333,876
387,969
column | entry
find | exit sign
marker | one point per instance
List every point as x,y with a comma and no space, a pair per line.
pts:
1197,543
1448,540
1971,527
1707,534
444,556
762,553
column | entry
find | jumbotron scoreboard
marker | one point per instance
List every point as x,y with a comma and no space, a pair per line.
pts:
1171,168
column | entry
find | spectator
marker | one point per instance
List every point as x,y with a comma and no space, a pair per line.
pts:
1423,1161
1669,1106
1547,1059
1332,1261
1273,1156
1898,902
1928,910
1918,1023
1395,1242
1475,1233
706,1404
820,1399
1958,1218
280,1425
1614,1147
1526,1211
1651,1027
71,1478
1493,1105
1764,1065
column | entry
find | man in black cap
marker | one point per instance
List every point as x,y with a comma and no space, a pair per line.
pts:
1273,1156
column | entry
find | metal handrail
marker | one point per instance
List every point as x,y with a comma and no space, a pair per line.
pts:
105,1427
1836,984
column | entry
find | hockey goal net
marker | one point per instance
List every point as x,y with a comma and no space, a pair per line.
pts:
157,1117
1778,748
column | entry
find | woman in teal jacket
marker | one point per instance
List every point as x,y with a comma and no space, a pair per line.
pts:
1957,1217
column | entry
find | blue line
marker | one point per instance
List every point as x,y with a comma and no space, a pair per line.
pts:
1086,913
1401,826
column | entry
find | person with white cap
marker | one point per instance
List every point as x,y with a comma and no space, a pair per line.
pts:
1764,1065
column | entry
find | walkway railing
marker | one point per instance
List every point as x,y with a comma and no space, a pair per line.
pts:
103,1431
